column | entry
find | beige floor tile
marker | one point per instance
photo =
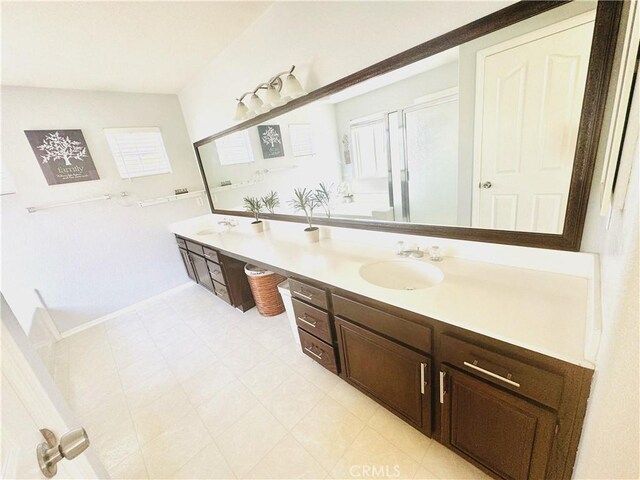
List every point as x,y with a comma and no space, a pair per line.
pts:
122,321
401,434
151,389
425,474
126,333
106,414
181,348
206,383
115,443
83,397
354,401
275,337
226,407
126,355
371,456
266,376
140,371
447,465
160,415
208,463
196,361
327,431
287,460
131,468
250,439
168,452
244,357
292,400
318,375
176,333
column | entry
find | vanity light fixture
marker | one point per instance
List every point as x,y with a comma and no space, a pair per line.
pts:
277,92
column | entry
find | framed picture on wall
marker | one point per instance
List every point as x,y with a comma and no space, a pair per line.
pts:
63,156
301,139
271,141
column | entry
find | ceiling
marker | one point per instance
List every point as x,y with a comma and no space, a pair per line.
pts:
150,47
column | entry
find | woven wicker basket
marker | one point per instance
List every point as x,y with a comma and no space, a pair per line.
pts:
264,286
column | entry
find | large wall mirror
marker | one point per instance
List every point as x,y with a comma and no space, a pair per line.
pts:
487,133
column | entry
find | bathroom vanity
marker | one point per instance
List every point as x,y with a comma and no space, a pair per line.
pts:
469,382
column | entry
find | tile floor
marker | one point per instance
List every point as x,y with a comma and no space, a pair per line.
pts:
188,387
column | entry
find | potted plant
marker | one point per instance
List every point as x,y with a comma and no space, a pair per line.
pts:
254,205
323,198
305,201
271,201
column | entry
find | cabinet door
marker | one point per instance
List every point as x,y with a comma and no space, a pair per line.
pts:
202,272
394,375
510,436
187,264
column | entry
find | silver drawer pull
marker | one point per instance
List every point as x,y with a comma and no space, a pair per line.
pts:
491,374
306,297
442,392
304,320
319,357
215,272
422,367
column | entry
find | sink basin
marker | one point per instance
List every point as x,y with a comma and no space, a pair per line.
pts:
207,231
402,274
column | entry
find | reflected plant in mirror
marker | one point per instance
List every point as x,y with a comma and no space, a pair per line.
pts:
305,201
271,201
254,205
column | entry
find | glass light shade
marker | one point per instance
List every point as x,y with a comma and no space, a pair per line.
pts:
272,97
292,88
256,104
241,112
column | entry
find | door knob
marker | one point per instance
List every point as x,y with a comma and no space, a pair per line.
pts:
49,453
485,185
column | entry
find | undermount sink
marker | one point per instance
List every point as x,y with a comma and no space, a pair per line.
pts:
402,274
208,231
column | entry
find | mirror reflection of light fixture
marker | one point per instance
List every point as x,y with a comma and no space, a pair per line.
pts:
277,92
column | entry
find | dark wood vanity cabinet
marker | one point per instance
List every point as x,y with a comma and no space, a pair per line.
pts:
506,434
224,276
394,375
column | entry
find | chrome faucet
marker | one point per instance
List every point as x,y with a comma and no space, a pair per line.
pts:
228,223
402,252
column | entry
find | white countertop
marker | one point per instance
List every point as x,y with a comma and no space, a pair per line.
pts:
540,311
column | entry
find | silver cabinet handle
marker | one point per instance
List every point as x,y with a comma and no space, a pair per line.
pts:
311,324
442,375
215,272
319,357
300,294
491,374
422,367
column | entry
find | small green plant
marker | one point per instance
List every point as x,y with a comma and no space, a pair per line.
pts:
305,201
271,201
253,205
323,197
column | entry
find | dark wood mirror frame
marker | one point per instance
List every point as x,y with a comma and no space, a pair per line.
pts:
598,74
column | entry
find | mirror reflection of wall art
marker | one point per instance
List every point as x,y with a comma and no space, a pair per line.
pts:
271,141
63,155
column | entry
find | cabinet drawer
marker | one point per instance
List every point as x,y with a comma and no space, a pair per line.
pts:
210,254
312,295
312,320
194,247
400,329
523,378
319,351
216,272
222,292
181,243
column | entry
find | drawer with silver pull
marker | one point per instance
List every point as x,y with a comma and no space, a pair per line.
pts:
210,254
313,295
313,320
319,351
216,273
521,377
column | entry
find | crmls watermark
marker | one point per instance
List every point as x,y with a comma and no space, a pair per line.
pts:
375,471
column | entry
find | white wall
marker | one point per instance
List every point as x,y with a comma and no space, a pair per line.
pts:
90,260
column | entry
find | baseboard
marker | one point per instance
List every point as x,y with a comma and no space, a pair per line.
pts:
117,313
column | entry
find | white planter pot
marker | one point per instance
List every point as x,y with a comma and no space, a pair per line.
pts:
256,227
313,235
